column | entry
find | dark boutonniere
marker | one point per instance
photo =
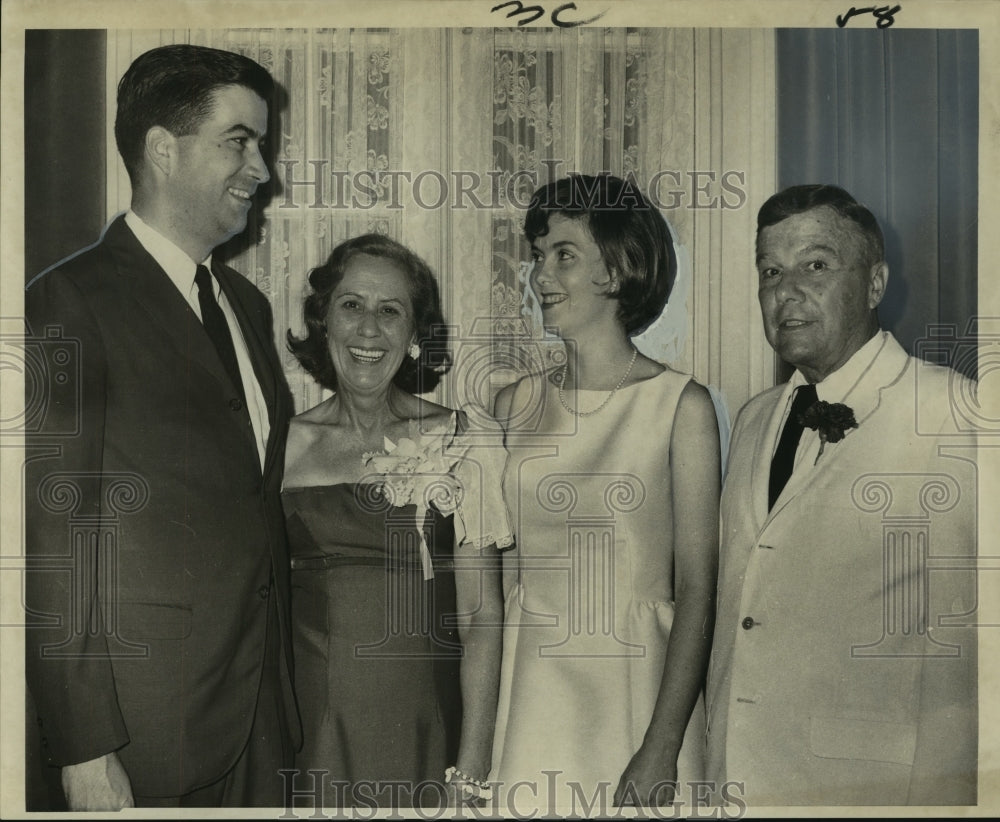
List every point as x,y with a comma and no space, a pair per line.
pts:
830,419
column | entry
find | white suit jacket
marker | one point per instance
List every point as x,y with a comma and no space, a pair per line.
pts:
843,669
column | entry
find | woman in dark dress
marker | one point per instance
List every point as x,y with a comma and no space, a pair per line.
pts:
395,516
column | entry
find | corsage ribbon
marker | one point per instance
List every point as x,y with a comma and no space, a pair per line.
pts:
417,470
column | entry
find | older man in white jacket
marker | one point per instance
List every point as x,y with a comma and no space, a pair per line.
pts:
844,661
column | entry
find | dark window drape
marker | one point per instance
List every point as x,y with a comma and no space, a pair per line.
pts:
64,148
64,207
892,116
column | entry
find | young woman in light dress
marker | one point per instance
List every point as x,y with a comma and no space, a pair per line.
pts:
613,486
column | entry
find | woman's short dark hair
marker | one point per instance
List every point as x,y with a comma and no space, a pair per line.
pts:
799,199
173,86
632,235
416,376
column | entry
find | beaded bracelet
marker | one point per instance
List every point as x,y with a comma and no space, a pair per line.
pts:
472,788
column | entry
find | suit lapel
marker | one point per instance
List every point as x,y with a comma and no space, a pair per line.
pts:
259,346
767,435
885,370
251,334
167,311
166,308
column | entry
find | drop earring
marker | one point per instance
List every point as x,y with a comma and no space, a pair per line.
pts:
414,351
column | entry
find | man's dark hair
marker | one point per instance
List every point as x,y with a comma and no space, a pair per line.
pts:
799,199
173,87
632,235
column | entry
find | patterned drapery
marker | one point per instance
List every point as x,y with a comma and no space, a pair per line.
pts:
437,137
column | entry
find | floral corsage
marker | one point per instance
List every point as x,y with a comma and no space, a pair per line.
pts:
830,419
418,470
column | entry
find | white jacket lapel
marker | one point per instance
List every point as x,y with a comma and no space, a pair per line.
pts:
768,430
887,367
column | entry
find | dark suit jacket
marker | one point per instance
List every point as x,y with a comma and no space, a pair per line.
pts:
154,540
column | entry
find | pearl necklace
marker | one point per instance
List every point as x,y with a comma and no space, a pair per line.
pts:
621,382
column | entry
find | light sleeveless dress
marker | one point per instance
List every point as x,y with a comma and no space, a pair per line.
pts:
589,593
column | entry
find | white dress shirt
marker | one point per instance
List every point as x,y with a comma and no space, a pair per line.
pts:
835,388
180,268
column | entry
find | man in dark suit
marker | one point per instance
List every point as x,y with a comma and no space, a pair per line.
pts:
157,591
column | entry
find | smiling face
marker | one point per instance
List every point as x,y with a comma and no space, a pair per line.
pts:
817,291
370,323
218,168
570,278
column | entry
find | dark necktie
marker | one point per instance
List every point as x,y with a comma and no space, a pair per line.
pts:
784,455
218,329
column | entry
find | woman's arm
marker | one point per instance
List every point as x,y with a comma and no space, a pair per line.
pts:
480,623
479,591
695,487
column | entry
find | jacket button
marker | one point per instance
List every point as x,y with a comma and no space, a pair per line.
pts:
263,591
236,404
748,623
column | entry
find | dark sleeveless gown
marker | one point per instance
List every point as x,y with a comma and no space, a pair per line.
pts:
376,648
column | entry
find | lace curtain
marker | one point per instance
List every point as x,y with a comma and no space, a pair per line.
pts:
437,137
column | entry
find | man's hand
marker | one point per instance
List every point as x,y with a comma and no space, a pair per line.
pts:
98,785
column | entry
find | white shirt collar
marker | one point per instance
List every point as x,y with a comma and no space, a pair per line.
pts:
837,386
178,265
